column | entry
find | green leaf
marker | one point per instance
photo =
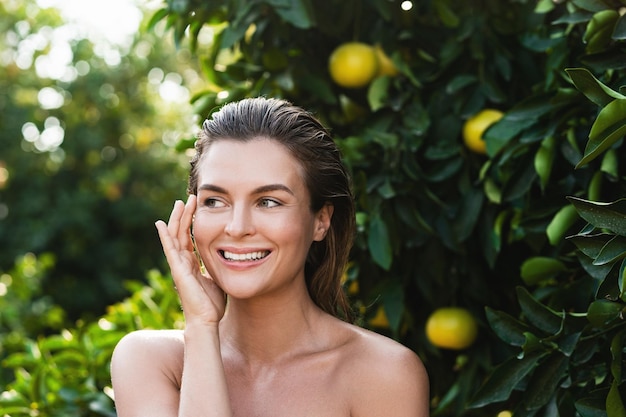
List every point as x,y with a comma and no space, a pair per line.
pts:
614,250
609,127
591,87
590,245
318,87
386,189
379,243
610,216
500,133
410,216
415,118
297,13
377,93
621,280
156,18
602,312
459,82
471,208
18,410
591,407
617,346
614,402
538,269
544,6
619,33
538,314
392,298
560,224
544,159
534,344
56,342
542,386
521,181
590,5
503,380
446,13
567,344
231,35
179,6
507,328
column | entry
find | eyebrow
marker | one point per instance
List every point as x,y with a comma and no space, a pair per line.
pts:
259,190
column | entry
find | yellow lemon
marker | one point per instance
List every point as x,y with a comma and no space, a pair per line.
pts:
385,64
353,64
475,126
451,328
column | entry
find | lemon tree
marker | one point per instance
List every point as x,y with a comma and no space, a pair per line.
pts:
440,221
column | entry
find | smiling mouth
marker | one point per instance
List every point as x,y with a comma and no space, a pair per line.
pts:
244,257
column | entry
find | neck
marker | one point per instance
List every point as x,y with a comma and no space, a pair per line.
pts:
265,331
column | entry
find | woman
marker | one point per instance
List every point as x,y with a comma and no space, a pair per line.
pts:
272,216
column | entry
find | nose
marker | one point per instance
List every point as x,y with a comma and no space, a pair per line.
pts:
240,223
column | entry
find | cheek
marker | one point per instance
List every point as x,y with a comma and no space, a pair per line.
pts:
296,230
204,227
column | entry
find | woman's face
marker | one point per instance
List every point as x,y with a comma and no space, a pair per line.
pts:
253,224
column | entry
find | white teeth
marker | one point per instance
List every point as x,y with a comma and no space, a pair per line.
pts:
250,256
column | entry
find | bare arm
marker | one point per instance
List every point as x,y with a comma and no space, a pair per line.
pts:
140,381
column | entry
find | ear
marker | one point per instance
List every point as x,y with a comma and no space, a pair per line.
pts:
322,222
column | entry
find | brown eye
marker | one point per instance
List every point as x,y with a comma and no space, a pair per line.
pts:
213,203
268,203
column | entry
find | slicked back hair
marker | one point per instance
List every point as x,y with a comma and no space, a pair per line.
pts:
325,176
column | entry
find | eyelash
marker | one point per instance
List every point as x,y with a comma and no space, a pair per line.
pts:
263,202
211,202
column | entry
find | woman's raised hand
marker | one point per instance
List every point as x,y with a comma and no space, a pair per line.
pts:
202,299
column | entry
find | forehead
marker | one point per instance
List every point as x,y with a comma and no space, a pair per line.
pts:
259,160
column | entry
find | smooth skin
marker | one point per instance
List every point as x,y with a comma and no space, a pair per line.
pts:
270,351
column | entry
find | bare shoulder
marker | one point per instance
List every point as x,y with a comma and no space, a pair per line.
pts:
373,353
163,348
386,377
150,343
147,355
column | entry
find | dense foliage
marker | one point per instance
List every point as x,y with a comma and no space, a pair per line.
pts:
66,374
529,237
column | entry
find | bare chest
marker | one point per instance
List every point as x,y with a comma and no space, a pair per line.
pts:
299,390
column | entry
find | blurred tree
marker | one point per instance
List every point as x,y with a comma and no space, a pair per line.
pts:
86,165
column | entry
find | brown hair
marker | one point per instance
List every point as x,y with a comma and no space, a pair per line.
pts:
325,176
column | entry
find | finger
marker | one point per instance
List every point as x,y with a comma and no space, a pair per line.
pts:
182,264
173,224
167,242
184,231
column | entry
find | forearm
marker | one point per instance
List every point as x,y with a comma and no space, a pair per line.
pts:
203,389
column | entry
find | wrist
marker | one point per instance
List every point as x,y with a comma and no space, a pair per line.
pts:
195,329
